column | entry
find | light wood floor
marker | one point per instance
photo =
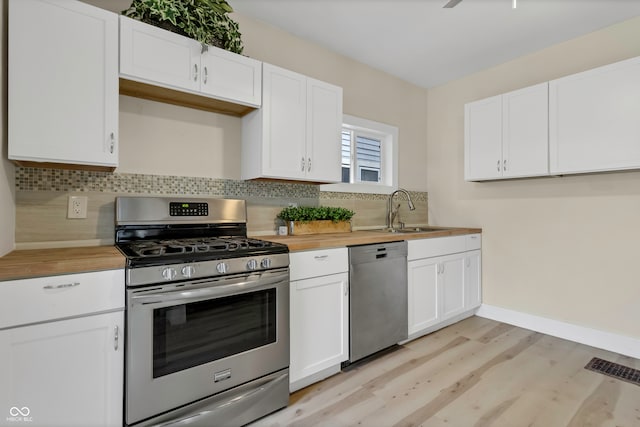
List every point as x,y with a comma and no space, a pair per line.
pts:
475,373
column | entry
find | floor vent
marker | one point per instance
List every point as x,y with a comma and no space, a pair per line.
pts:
614,370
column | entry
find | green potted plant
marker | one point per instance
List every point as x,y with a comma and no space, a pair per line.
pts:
316,219
206,21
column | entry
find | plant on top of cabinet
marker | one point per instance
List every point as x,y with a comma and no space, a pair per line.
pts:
206,21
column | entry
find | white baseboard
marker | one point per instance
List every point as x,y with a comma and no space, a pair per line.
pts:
605,340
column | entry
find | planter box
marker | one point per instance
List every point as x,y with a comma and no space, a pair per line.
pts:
319,227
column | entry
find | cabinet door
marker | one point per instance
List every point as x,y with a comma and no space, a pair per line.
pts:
594,121
452,269
483,139
423,294
472,280
525,124
63,83
319,324
68,372
153,55
324,124
284,107
232,77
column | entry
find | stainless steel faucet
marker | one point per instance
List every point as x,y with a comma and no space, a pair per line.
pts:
391,213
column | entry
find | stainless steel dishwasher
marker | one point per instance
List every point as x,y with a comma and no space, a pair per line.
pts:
378,298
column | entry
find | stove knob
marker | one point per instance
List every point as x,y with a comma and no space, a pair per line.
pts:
222,267
265,263
188,271
169,273
252,264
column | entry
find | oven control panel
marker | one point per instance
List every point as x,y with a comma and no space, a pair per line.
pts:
188,209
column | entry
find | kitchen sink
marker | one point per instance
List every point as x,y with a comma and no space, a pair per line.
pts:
410,230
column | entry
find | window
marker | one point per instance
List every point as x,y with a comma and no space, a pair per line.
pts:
361,156
369,157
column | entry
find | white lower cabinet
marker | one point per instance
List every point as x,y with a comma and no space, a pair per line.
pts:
319,307
443,280
63,370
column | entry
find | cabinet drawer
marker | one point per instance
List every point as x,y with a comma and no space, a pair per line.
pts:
473,242
426,248
48,298
318,263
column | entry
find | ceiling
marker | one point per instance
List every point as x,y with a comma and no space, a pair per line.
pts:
420,41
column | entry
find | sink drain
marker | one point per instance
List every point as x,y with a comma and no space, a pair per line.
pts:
614,370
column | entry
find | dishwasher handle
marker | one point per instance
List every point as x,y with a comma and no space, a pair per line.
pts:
379,251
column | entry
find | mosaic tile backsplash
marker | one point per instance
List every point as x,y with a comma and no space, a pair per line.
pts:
41,203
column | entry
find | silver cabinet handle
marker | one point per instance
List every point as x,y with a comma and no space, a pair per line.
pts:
195,72
116,337
504,165
321,257
206,75
498,166
302,165
468,262
113,142
64,285
346,289
309,164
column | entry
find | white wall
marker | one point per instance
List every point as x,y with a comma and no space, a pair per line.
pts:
7,170
562,248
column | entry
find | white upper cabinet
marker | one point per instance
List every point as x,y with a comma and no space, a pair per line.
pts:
154,55
506,136
483,139
595,119
157,57
63,84
296,133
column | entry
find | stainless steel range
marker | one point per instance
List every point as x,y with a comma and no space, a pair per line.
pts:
207,320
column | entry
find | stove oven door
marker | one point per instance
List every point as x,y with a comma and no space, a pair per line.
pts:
191,340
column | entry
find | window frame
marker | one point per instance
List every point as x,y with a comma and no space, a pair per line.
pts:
389,157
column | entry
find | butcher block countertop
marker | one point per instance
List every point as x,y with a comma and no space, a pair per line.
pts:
22,264
332,240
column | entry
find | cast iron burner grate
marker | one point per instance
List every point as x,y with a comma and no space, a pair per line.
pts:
614,370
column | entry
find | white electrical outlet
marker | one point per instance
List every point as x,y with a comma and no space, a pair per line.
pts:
77,207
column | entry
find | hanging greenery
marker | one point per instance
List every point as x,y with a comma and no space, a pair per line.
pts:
206,21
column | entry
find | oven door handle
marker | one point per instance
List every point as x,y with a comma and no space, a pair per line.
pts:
246,284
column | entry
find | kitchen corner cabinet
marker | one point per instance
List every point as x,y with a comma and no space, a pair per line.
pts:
594,119
296,133
61,340
158,58
63,84
443,281
319,315
506,136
